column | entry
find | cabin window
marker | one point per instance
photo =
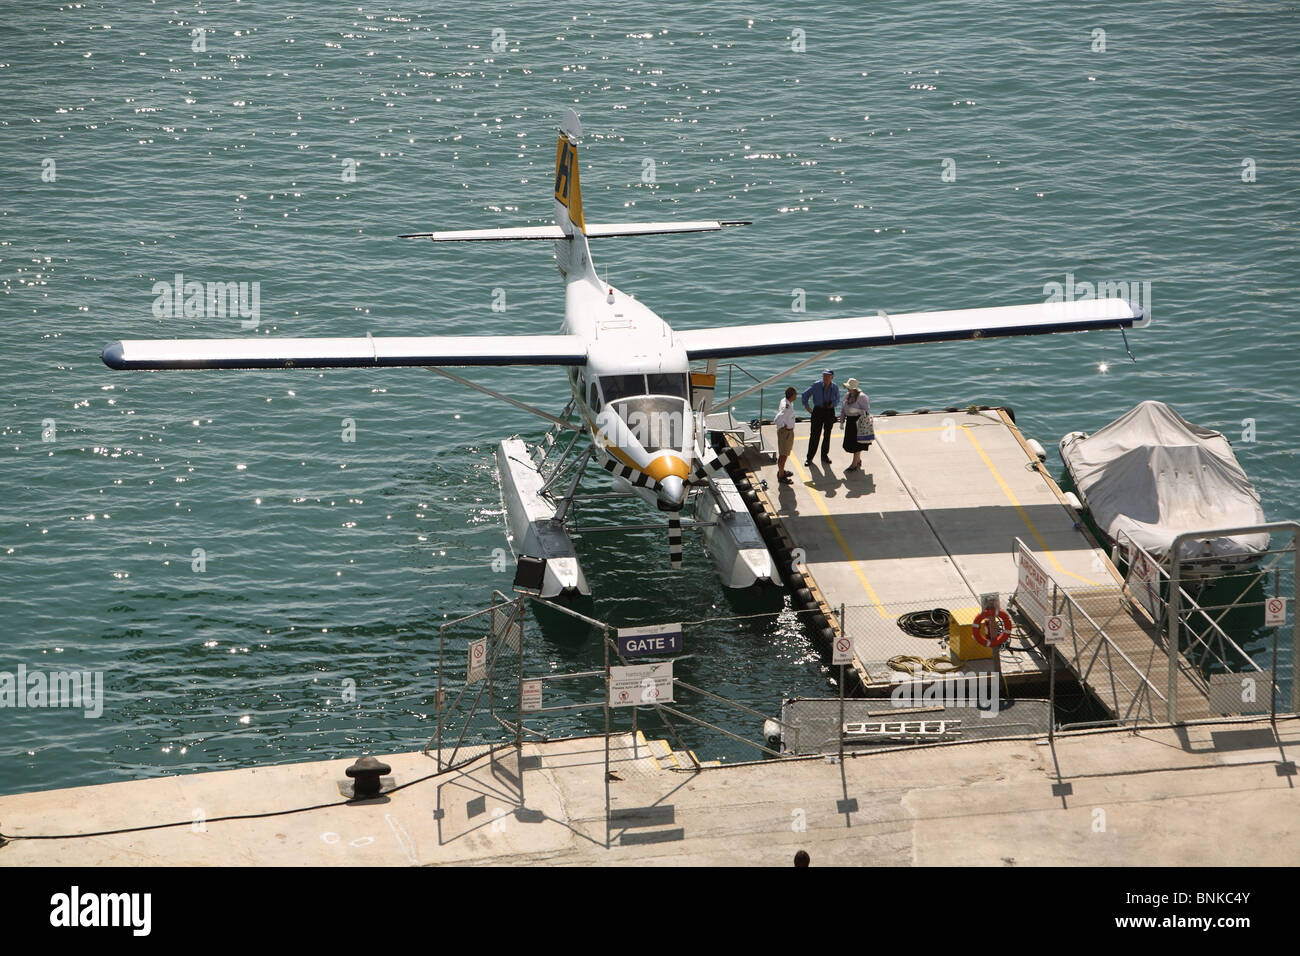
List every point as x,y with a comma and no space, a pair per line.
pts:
594,399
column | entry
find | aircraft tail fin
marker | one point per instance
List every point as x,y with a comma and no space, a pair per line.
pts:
569,220
568,192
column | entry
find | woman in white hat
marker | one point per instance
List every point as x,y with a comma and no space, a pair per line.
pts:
855,416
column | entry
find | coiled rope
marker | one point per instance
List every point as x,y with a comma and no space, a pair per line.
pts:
910,664
932,624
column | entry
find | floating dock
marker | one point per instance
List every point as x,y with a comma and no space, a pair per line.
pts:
931,521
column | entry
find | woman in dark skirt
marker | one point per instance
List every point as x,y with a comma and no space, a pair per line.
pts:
856,410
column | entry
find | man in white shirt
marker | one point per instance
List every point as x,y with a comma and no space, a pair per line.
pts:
784,422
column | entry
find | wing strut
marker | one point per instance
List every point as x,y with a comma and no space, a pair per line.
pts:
504,398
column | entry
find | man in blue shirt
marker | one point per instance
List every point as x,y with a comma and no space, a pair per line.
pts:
825,398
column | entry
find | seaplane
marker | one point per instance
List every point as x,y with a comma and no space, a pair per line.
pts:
640,390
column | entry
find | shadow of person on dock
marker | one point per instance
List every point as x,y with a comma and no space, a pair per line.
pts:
828,484
786,500
823,480
858,484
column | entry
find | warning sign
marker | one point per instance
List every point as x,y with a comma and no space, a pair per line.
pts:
532,696
841,650
640,684
1275,612
1144,582
1032,585
477,661
508,622
1054,629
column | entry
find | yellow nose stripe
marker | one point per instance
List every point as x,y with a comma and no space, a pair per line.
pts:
665,465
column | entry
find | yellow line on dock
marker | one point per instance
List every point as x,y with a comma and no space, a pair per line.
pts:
1033,529
839,536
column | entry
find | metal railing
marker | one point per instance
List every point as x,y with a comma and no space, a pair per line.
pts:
731,368
1059,601
1140,704
475,728
1133,553
1176,596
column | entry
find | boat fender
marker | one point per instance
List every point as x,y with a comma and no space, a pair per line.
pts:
1073,501
771,731
1039,452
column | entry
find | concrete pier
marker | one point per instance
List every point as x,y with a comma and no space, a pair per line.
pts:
1156,796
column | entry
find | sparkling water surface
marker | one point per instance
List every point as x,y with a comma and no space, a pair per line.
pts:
1170,158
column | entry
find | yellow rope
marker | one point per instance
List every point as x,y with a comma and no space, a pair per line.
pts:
933,665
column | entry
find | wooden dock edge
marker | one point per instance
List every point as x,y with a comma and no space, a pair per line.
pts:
778,540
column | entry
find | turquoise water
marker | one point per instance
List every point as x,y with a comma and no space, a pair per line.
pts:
329,561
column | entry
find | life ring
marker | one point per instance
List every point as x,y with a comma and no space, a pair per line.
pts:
978,631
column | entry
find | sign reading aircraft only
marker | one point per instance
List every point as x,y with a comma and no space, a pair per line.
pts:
655,639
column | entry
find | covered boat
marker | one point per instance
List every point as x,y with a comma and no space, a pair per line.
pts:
1152,475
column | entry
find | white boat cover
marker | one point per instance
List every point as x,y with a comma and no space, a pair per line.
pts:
1154,475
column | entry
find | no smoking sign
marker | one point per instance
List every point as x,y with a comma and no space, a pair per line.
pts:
1275,612
1053,629
841,651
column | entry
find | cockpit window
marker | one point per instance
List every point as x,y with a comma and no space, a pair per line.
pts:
615,387
656,423
666,384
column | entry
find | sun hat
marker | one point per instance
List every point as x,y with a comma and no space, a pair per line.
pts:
852,384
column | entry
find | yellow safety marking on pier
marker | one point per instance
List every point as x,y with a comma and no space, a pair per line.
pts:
1033,529
839,536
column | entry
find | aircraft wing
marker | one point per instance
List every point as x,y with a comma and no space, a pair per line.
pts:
593,231
818,335
367,352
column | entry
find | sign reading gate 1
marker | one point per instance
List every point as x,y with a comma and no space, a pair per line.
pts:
655,639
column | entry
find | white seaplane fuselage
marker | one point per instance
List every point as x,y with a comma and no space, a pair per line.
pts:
634,392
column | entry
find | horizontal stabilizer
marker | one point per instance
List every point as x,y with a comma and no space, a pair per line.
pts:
598,231
819,335
367,352
594,231
490,235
